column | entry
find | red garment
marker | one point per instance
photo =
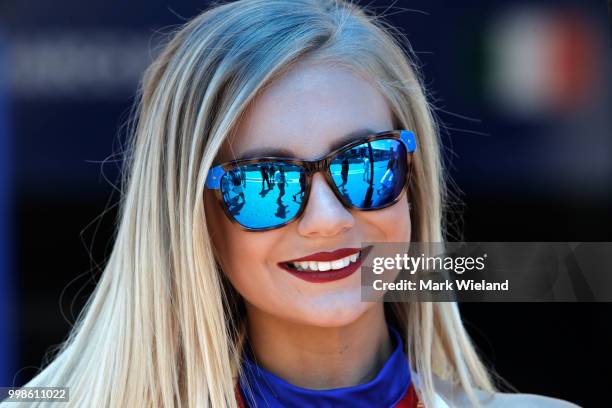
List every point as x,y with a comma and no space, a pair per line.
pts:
410,400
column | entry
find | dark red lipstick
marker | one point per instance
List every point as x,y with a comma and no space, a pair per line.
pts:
329,275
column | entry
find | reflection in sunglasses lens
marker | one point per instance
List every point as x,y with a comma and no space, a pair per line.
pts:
265,194
371,175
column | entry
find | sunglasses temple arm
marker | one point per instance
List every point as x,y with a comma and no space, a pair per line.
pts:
409,140
213,180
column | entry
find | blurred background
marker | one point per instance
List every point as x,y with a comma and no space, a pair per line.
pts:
523,93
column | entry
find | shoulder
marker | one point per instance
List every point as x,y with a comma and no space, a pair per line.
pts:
452,396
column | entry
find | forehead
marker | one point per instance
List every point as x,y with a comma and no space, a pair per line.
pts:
308,111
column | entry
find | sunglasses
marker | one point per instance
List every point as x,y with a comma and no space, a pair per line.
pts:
266,193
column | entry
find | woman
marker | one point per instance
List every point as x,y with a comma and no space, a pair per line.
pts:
237,186
302,190
366,170
199,306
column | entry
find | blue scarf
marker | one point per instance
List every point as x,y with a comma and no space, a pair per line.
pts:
262,389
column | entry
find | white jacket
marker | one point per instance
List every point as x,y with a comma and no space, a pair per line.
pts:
450,396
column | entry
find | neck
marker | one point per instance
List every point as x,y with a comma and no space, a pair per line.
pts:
317,357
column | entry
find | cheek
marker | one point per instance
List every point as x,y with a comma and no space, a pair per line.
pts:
217,224
230,242
392,223
248,254
244,256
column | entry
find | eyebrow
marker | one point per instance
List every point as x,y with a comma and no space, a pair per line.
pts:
284,152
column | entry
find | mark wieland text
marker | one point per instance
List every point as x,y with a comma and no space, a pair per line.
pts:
440,286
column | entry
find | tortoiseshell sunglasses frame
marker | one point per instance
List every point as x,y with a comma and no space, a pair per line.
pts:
213,179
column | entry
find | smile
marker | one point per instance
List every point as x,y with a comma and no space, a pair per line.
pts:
326,266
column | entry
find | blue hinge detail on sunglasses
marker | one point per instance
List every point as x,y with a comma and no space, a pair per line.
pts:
409,140
213,180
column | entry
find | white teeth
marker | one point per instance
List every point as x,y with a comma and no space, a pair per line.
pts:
326,266
337,264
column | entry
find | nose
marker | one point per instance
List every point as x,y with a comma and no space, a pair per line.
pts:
324,215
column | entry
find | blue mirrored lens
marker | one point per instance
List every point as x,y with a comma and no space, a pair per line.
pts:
265,194
372,174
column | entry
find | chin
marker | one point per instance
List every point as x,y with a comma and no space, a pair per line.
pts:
335,316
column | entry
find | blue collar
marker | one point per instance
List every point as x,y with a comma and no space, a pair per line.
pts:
262,389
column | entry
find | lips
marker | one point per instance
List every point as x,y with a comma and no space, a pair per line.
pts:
316,276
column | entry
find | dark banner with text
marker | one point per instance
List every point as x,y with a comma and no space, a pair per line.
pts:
487,272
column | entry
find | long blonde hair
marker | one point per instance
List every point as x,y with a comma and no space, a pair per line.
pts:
161,328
